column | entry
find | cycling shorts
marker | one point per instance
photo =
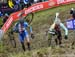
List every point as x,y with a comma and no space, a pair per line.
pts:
23,35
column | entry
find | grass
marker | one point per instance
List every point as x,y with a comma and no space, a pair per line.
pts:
42,52
42,21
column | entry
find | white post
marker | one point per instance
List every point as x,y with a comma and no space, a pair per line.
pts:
1,34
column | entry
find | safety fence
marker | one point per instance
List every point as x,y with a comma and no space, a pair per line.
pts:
34,8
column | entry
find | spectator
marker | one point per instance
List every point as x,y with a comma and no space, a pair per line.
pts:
10,3
17,4
72,12
27,3
31,1
41,0
73,15
35,1
5,18
1,14
17,1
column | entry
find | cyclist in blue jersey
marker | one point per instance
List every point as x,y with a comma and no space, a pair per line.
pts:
21,28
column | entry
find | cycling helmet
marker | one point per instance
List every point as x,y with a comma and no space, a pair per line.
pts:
21,20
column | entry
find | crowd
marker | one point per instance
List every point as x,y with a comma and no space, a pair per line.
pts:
10,6
22,3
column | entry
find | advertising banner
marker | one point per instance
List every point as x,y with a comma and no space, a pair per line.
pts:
71,24
34,8
7,24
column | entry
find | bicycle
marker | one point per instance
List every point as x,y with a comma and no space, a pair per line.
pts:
51,35
29,18
12,38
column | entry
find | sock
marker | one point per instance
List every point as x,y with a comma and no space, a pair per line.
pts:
28,44
23,46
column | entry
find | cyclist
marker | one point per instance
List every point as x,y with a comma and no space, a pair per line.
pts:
21,28
56,27
27,3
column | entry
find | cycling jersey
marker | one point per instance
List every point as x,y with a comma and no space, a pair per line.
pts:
21,28
57,28
63,27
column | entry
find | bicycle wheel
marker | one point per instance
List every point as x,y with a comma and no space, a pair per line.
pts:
12,40
29,17
51,40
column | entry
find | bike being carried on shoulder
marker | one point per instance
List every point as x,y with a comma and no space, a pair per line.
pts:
11,35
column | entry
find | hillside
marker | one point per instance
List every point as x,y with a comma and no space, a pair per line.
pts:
42,21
